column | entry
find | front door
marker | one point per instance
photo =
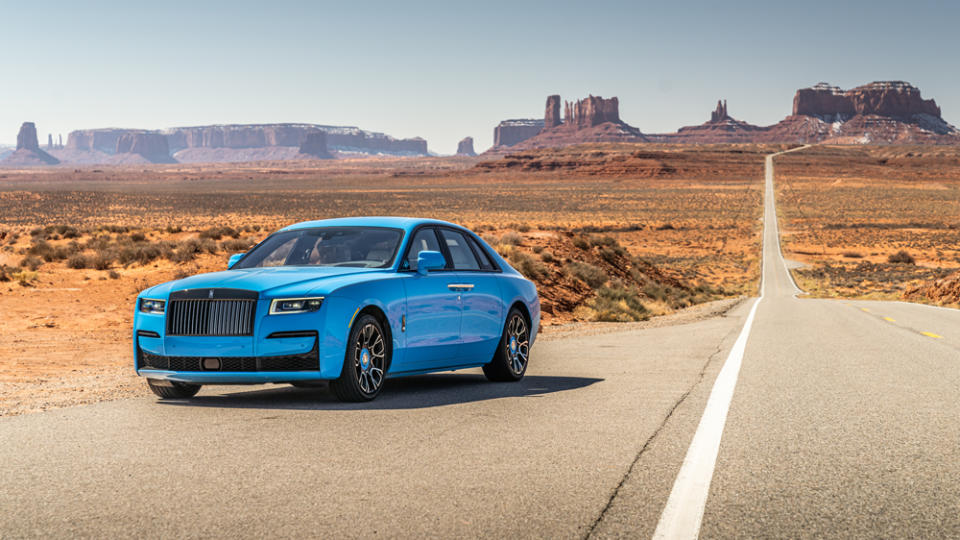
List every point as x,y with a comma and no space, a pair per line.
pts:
433,311
480,301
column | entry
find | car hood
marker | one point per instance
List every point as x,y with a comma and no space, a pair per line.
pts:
280,280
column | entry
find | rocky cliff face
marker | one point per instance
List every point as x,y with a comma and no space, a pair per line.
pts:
591,111
551,117
720,113
315,146
512,132
239,142
150,145
465,147
721,128
896,99
592,119
241,136
28,152
100,140
27,137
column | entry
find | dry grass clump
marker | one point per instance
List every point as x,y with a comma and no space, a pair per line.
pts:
618,303
596,278
587,273
901,257
107,246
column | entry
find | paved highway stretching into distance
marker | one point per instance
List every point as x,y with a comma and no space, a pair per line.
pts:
785,418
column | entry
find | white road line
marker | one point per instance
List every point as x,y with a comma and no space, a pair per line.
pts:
683,513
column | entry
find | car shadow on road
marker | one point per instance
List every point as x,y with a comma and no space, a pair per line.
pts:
403,393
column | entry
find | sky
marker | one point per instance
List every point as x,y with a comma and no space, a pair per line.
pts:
451,69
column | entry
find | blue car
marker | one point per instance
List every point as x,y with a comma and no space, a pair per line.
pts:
351,301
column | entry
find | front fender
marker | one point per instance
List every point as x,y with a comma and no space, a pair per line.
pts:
342,309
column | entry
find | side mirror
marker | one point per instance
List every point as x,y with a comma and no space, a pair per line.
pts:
429,260
234,259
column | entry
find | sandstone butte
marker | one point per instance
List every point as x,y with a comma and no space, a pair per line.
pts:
465,147
28,152
891,112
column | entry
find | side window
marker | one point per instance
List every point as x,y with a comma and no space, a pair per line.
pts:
460,252
424,240
485,262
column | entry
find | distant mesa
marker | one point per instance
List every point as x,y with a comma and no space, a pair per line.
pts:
721,128
890,112
230,143
592,119
512,132
142,147
314,146
465,147
28,152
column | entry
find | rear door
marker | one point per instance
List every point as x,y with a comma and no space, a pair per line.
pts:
479,291
433,310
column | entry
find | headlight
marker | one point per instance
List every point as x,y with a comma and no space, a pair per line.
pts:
149,305
284,306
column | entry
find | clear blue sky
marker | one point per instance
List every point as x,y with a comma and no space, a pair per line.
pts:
445,70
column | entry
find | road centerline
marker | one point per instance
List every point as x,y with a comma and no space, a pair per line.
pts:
683,513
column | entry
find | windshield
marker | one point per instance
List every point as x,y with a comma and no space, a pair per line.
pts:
360,247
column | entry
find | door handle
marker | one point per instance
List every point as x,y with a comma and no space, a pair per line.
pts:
460,286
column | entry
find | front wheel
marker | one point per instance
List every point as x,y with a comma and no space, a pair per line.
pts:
365,363
176,390
513,353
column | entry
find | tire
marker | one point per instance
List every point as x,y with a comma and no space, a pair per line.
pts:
179,390
364,365
513,352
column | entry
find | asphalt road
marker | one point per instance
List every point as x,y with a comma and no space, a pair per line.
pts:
843,423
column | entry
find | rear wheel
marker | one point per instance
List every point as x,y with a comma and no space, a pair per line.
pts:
510,361
176,390
364,365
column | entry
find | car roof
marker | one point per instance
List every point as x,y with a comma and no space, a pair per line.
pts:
405,223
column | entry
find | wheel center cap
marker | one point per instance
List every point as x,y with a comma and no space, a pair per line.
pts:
513,345
364,358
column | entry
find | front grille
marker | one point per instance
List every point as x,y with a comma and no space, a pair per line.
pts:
308,361
211,312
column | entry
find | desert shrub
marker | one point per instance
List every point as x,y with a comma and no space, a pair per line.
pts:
587,273
666,227
31,262
139,253
115,228
114,274
174,229
581,243
901,257
657,291
511,239
138,236
537,249
852,255
216,233
102,260
77,262
42,249
547,256
605,240
24,277
527,265
618,303
237,244
5,273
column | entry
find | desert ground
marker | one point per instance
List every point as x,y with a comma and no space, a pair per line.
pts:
876,222
609,232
